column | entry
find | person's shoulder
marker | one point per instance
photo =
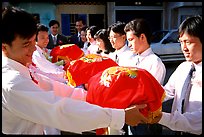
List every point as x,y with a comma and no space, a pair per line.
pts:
12,75
61,35
184,64
74,36
50,36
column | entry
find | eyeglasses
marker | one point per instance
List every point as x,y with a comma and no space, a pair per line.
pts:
114,37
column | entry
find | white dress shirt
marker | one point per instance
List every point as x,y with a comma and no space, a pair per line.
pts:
150,62
85,47
124,55
28,107
191,120
46,67
92,49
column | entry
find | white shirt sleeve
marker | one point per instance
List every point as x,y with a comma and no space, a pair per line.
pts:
27,109
191,120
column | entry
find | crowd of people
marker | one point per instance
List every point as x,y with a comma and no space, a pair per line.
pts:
37,100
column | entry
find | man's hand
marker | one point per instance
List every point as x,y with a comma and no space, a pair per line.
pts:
133,115
156,119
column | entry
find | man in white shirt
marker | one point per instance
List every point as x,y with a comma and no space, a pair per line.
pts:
190,120
138,35
117,37
42,65
27,107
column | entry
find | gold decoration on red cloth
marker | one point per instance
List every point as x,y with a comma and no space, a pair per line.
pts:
121,87
81,70
66,52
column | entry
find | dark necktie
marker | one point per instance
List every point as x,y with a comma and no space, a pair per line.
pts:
186,90
54,40
116,59
137,60
79,38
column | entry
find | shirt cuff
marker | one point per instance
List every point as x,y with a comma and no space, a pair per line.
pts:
165,117
118,119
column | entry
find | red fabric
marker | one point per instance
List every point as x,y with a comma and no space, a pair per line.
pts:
81,70
33,79
68,51
120,87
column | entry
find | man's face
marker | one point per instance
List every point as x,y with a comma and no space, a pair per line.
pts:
54,29
117,41
191,47
134,42
79,25
20,50
43,39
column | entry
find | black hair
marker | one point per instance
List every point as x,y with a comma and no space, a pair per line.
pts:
117,27
103,34
41,27
93,29
17,22
53,22
192,26
81,19
84,28
139,26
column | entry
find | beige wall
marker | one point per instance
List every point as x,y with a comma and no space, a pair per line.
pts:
79,9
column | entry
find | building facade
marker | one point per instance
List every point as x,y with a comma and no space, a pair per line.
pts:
161,15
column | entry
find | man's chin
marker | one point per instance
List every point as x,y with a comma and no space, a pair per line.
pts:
188,59
27,64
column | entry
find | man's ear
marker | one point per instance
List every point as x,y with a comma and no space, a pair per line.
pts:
143,37
4,47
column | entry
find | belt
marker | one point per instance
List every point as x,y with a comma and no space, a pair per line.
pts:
183,133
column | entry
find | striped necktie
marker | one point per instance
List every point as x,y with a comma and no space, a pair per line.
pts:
185,93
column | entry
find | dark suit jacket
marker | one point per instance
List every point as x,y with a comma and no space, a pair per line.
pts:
61,40
75,40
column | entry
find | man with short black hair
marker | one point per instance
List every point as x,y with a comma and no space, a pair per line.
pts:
76,38
56,39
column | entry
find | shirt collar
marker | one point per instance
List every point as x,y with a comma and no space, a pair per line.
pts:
38,49
54,36
15,65
198,67
146,52
79,34
141,56
121,49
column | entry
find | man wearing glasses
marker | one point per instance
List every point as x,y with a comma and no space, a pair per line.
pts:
118,40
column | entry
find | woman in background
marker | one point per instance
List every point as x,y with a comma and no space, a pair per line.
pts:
103,42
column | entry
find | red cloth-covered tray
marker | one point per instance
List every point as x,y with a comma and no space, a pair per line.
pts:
81,70
66,52
121,87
